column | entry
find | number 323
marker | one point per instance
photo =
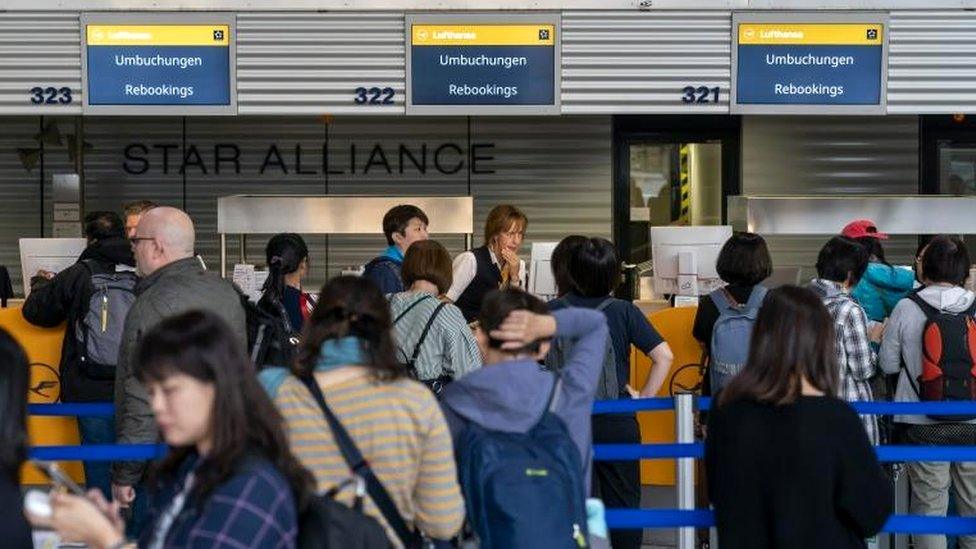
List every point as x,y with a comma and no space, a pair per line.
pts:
50,96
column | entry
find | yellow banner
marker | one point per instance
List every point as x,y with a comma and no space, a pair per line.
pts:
158,35
483,35
846,34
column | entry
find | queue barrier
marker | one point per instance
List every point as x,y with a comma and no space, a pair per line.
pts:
686,518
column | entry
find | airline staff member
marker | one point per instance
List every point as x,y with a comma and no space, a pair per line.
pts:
494,265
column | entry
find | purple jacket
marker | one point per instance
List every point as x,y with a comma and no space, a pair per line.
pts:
511,396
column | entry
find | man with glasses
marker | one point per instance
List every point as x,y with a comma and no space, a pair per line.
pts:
174,282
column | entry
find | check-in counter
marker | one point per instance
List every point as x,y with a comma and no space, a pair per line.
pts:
43,347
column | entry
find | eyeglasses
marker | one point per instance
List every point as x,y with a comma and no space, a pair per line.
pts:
137,239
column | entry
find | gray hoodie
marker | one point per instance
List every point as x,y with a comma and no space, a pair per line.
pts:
901,348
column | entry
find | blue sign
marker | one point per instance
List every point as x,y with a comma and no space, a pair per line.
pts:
482,64
158,75
809,75
803,63
178,65
483,75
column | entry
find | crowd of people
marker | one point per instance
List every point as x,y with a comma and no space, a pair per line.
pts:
440,401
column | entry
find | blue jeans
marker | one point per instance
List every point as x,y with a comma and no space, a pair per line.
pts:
98,430
138,516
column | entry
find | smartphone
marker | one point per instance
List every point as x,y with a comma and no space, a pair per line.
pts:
58,477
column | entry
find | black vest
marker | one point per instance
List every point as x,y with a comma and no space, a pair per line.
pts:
486,279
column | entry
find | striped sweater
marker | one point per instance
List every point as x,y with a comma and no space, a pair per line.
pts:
399,428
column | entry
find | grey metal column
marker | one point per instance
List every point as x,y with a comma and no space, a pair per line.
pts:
223,255
684,417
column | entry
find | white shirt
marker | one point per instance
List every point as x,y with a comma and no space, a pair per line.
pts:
466,268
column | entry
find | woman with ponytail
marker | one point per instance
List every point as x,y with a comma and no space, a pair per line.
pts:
348,353
287,256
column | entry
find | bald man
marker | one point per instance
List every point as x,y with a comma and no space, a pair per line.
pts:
174,281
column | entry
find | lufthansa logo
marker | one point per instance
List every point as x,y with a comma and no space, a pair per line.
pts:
45,383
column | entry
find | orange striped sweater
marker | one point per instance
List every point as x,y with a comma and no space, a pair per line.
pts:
399,428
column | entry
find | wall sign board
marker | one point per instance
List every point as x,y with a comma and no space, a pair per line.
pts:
152,64
799,63
480,64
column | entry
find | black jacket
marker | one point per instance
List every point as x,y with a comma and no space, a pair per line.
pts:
65,298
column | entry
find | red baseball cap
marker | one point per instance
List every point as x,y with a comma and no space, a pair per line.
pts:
862,228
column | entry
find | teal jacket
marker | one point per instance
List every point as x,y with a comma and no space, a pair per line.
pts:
881,288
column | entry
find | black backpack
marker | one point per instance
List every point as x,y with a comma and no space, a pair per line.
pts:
948,357
328,524
269,341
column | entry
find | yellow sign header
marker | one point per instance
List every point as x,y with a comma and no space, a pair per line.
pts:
483,35
158,35
783,34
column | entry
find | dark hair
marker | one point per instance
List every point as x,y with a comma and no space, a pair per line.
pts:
946,260
501,218
594,268
138,207
14,374
874,248
351,306
744,260
842,258
103,224
792,340
428,260
397,219
498,304
284,253
244,421
560,259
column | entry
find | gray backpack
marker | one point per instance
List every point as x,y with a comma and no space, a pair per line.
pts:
609,387
731,335
98,330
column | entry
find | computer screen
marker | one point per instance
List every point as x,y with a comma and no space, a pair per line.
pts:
48,254
684,259
541,282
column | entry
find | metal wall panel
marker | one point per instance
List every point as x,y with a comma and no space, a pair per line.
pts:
795,155
39,49
20,192
638,62
932,62
312,63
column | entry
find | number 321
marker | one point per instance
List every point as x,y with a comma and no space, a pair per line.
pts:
701,94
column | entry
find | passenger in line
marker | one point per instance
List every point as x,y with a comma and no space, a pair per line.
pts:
402,225
883,285
560,259
594,273
174,281
788,464
494,265
743,264
90,349
14,372
133,213
283,297
228,480
432,338
394,421
943,267
511,394
840,266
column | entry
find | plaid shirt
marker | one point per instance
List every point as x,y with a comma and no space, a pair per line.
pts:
856,359
255,508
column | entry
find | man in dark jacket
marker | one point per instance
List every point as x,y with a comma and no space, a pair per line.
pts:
174,282
65,297
403,225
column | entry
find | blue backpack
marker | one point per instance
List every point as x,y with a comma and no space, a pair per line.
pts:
731,335
524,490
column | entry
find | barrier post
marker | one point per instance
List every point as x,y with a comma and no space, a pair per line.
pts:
684,417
